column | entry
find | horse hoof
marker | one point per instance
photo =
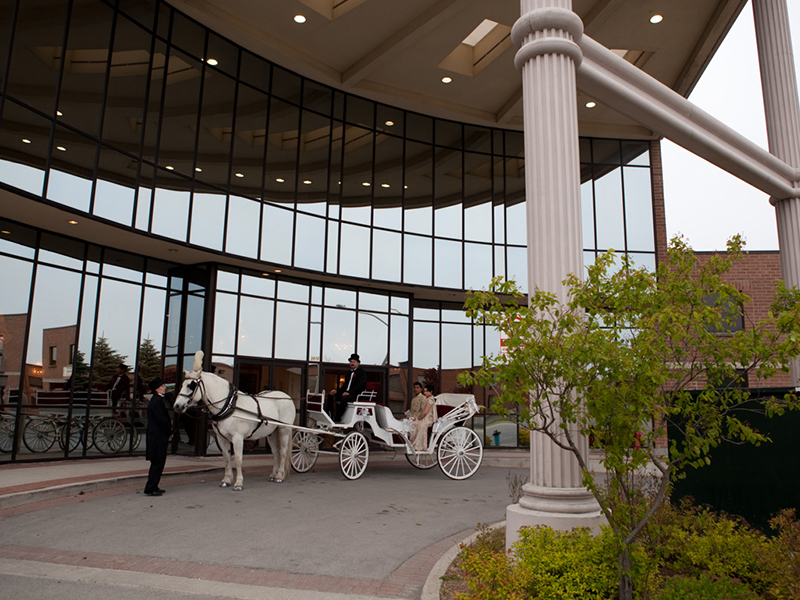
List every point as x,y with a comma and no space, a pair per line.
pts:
271,478
237,488
223,484
276,480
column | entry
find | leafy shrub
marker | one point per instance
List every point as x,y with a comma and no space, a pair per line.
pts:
705,588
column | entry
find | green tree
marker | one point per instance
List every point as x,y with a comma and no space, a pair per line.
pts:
148,366
80,371
106,360
630,349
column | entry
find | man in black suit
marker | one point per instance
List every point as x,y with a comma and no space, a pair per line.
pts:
159,432
354,384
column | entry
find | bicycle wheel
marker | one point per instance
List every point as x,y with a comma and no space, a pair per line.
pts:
39,434
109,435
7,433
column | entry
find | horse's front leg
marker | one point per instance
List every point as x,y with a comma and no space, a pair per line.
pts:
238,449
225,447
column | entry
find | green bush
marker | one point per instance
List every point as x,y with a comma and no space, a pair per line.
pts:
705,588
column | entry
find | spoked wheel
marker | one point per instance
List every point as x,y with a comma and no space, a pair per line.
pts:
6,433
353,455
423,461
305,451
39,435
71,441
460,453
109,435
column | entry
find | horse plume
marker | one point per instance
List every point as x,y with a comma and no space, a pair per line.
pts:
198,361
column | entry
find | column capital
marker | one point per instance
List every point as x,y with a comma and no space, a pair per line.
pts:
541,19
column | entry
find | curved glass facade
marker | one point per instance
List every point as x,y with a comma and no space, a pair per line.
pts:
137,117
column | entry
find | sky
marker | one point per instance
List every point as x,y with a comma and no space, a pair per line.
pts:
704,203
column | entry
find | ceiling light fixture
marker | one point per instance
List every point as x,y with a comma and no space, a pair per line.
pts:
61,148
307,181
280,180
26,141
213,62
591,104
239,174
5,232
299,19
655,19
277,270
389,123
72,222
198,169
385,185
365,183
447,79
169,167
59,113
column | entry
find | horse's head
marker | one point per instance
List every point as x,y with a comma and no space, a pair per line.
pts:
190,393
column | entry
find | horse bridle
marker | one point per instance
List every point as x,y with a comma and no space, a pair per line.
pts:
229,400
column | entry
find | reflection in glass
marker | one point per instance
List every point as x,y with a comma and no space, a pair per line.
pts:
293,291
69,190
208,219
255,327
417,266
608,203
113,201
448,221
477,266
309,250
426,345
398,351
340,298
291,331
227,281
355,251
448,264
374,302
225,323
171,213
419,220
118,316
338,335
517,267
386,255
516,232
373,338
153,316
587,214
242,235
258,285
276,235
638,209
456,346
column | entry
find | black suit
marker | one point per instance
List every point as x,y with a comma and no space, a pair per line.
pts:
354,384
159,429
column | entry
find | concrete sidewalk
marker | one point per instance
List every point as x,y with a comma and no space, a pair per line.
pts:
389,534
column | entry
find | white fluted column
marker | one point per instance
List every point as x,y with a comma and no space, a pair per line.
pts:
547,56
782,110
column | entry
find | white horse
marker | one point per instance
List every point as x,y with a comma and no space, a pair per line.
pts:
236,416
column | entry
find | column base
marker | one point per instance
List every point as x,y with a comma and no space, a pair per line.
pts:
517,516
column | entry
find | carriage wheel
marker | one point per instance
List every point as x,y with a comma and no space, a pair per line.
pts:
6,433
353,455
109,435
460,453
73,440
39,435
305,451
423,461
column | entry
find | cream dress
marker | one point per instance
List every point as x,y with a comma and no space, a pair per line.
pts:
419,429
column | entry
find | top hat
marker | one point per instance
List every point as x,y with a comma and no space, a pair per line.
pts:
354,357
156,383
122,366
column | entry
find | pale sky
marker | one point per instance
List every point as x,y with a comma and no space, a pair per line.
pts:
704,203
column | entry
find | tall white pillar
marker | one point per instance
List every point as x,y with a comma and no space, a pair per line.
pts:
782,109
548,55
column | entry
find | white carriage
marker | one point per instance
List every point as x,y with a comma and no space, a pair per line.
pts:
458,450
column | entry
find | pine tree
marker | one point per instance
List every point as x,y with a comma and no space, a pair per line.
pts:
106,361
149,363
80,371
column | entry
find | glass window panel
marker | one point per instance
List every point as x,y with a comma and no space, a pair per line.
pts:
193,336
518,266
170,211
179,117
317,97
286,85
315,145
248,143
255,327
636,153
355,251
387,216
225,323
293,291
118,318
419,127
587,214
417,260
316,294
224,53
516,224
291,331
338,335
69,190
455,316
491,341
478,222
258,285
227,281
113,198
340,298
143,203
638,209
398,351
386,255
216,121
418,187
448,220
643,261
588,258
499,261
373,302
24,177
360,111
357,184
477,139
448,271
188,35
153,317
390,119
281,167
477,344
276,235
400,305
499,223
61,251
309,248
32,77
477,266
609,215
14,294
173,322
418,220
121,265
332,255
255,71
208,219
315,336
514,143
426,345
449,134
585,146
605,152
373,338
244,216
388,192
456,347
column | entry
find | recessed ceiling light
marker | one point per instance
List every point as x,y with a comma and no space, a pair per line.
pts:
385,185
447,79
389,123
169,167
61,148
198,169
365,183
277,270
299,19
213,62
26,141
307,181
239,174
59,113
265,274
405,187
72,222
280,180
656,19
591,104
5,232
